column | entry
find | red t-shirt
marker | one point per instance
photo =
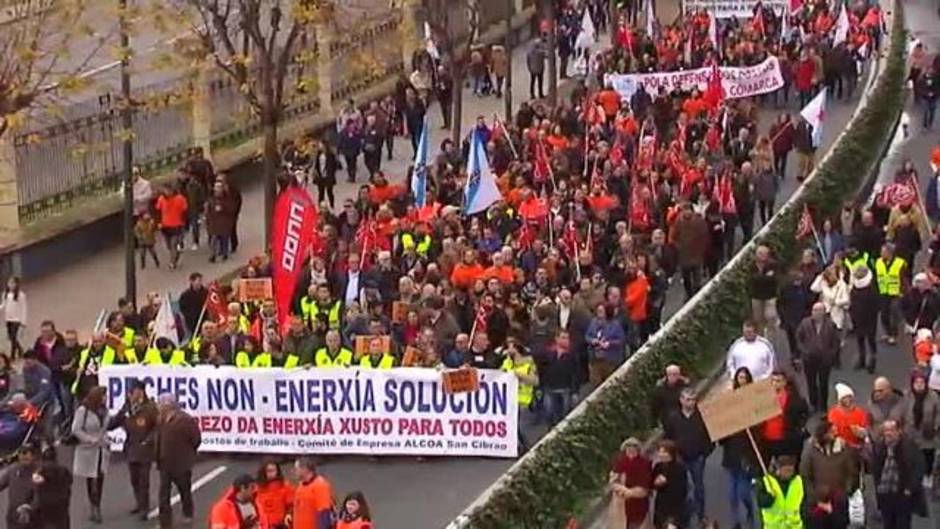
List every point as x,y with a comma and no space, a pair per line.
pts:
844,419
636,472
172,211
774,429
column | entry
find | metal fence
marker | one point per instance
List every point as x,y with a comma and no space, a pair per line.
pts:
77,153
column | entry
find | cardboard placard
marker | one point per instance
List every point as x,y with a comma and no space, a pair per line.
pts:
400,311
732,411
412,357
255,289
362,344
464,380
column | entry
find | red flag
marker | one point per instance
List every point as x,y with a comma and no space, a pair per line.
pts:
293,230
714,92
542,170
479,322
805,227
216,304
724,193
526,236
570,240
757,23
897,193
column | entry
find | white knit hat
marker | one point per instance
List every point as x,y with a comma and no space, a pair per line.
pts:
843,390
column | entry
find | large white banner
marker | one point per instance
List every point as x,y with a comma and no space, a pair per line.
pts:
732,8
332,411
738,81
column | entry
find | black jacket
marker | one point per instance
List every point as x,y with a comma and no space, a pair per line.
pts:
191,303
920,309
666,399
794,304
863,306
49,497
911,469
689,434
18,478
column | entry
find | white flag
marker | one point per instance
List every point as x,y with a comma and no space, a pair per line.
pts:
815,114
164,326
650,19
587,37
713,31
842,27
429,44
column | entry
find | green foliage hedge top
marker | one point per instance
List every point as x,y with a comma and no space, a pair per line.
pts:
567,470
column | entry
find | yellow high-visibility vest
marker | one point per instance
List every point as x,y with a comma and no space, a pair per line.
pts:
343,358
526,391
861,260
155,358
386,362
784,513
889,276
107,358
309,309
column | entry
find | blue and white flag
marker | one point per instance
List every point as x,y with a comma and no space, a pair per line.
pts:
419,177
481,191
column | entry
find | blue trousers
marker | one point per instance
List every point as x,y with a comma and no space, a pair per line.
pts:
741,492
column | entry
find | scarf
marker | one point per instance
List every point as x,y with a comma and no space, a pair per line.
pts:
890,475
919,398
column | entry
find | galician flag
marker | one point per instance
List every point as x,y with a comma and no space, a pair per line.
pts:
419,177
815,114
481,191
164,325
842,27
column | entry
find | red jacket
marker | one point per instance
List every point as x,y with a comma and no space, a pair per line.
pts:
226,515
803,77
636,294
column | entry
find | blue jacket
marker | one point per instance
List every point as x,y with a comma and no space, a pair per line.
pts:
837,244
931,199
37,380
610,331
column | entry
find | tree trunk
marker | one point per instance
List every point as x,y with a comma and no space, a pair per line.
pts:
509,42
457,116
552,55
269,167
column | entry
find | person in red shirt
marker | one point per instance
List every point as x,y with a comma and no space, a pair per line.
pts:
804,74
500,270
354,513
850,420
783,435
631,479
172,206
636,297
609,99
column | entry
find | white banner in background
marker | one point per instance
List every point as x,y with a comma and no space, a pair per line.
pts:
732,8
400,411
738,81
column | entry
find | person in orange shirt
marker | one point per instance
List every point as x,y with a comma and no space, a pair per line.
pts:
313,498
849,419
500,270
275,494
238,508
636,296
354,513
935,158
609,99
172,206
467,272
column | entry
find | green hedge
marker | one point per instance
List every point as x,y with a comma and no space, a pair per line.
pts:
570,468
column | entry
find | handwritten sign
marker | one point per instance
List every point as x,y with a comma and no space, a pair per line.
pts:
412,357
732,411
255,290
464,380
363,341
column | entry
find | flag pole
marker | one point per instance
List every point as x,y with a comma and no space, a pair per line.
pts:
822,251
502,125
923,207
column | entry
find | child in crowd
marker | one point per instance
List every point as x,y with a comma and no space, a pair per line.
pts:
145,231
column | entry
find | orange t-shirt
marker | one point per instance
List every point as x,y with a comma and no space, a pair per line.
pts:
172,211
610,100
310,499
464,276
275,499
844,419
503,273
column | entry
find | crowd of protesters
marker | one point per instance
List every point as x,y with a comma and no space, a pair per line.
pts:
606,202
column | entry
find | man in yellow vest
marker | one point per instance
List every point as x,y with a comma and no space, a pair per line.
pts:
854,258
165,353
334,354
378,357
118,328
235,314
90,361
318,300
781,496
891,275
520,363
249,356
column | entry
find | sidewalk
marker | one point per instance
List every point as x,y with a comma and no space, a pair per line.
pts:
73,297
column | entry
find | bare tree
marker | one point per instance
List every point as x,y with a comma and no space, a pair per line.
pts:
256,42
39,59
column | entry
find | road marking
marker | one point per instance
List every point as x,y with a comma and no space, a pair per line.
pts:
199,483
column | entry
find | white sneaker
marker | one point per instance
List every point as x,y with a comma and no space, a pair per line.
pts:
928,482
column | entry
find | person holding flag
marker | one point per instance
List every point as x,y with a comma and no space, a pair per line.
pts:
419,174
480,191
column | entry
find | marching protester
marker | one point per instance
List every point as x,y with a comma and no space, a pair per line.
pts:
354,513
17,479
138,417
275,495
898,469
239,507
92,447
13,305
631,479
175,445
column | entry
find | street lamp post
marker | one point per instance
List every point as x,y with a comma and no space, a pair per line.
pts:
127,171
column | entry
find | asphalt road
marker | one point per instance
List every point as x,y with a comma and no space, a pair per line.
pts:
73,297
